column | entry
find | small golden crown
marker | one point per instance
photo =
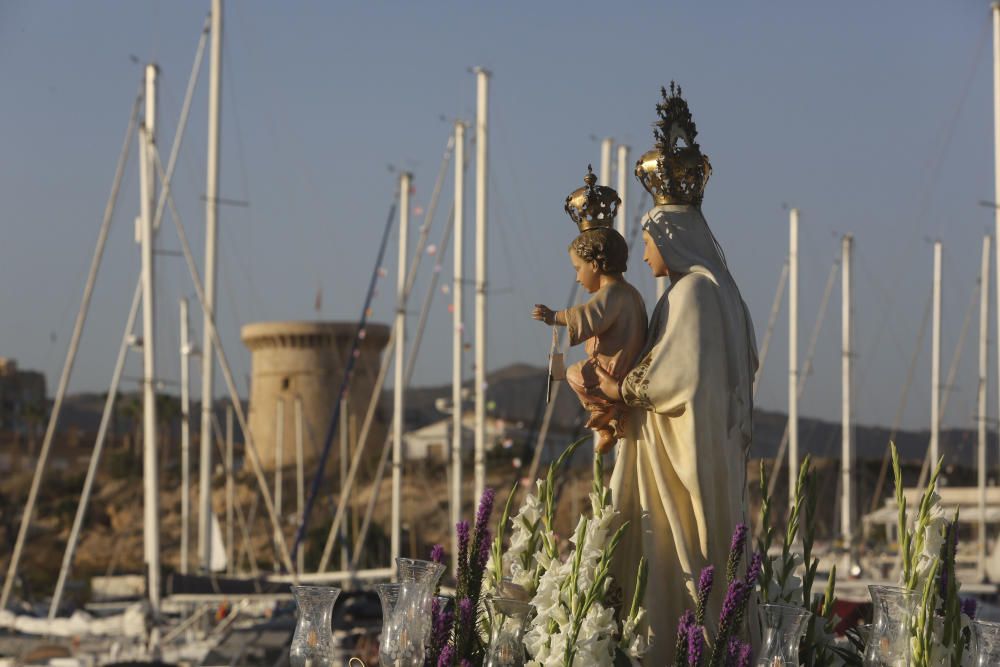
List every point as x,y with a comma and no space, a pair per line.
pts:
593,205
674,174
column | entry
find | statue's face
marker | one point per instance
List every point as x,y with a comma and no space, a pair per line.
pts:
651,255
586,272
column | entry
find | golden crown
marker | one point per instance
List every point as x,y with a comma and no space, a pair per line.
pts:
593,205
674,174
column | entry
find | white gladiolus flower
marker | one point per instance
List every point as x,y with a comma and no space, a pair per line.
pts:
557,621
934,536
517,561
571,627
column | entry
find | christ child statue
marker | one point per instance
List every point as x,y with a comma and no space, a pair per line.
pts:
612,323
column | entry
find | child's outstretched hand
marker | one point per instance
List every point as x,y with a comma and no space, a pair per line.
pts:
544,314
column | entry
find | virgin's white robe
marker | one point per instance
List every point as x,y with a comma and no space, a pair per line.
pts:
680,476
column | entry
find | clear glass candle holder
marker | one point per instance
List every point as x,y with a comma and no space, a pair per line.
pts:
783,626
312,643
889,639
508,623
987,643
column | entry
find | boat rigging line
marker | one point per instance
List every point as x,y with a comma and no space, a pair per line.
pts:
410,365
806,370
362,441
216,342
74,345
897,421
331,431
772,320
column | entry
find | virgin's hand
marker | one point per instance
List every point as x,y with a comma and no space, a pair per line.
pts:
543,313
608,385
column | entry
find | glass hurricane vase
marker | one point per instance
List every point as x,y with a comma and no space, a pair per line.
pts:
987,643
410,620
419,571
312,643
508,622
889,639
783,627
388,595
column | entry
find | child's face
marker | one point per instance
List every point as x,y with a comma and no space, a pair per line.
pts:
586,272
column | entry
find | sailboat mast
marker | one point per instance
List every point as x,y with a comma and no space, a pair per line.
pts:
185,437
847,376
151,505
605,179
279,465
793,352
996,159
607,143
936,359
300,479
398,381
230,496
482,137
457,338
211,235
984,327
622,220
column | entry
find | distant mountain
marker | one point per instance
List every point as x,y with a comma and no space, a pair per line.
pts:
517,393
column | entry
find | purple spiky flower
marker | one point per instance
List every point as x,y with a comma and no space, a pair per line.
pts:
462,528
447,657
437,553
684,626
465,612
704,589
736,550
969,607
695,645
739,537
479,552
754,568
441,621
730,605
730,617
738,653
485,544
485,510
465,627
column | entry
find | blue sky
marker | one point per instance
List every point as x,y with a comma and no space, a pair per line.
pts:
872,118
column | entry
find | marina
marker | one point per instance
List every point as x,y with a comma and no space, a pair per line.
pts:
187,521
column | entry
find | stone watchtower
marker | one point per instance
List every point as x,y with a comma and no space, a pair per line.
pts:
306,360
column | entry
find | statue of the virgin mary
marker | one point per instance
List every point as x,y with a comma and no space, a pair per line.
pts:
680,477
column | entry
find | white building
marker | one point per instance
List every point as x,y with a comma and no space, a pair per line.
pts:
433,441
